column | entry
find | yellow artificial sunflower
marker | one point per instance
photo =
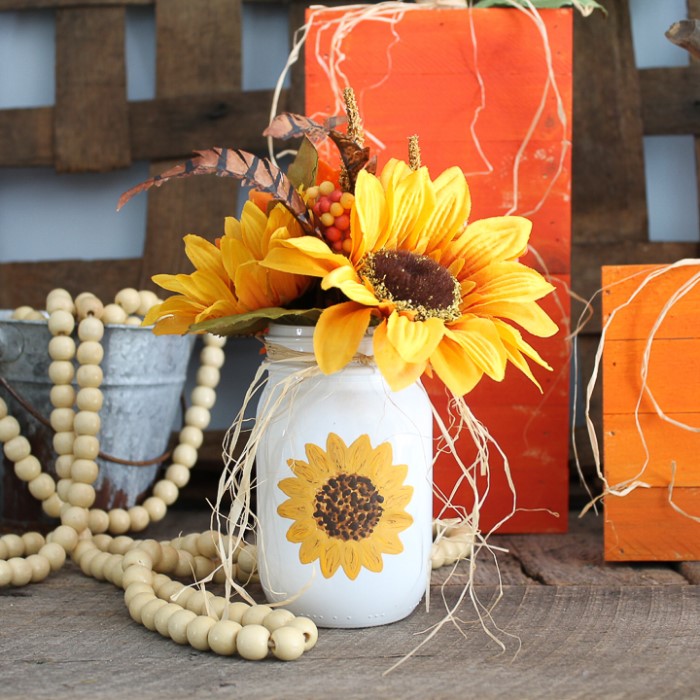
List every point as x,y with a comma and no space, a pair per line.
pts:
444,293
347,504
228,279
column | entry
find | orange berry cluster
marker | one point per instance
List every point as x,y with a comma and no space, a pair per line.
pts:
332,209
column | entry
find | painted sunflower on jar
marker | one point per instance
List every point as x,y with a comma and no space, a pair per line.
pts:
442,295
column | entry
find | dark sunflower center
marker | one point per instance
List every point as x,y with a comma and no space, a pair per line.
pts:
414,283
348,507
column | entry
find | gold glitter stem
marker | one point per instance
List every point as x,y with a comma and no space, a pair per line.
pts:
355,131
413,152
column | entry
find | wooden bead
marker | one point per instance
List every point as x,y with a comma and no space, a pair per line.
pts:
248,559
58,293
152,548
137,604
177,625
102,541
63,441
62,490
160,580
156,508
88,305
217,341
66,537
18,448
61,322
14,545
309,630
148,613
203,396
202,567
28,468
190,435
169,559
98,564
81,549
62,396
61,372
98,520
76,518
162,618
139,518
86,560
199,602
197,416
217,606
119,521
287,643
222,637
62,419
9,428
40,567
36,316
189,543
137,573
207,542
208,376
121,544
198,632
91,329
236,611
42,487
3,408
212,356
113,314
21,571
147,300
4,552
134,589
255,615
133,321
21,313
90,399
52,506
81,495
86,447
64,466
128,299
178,474
87,423
185,565
33,542
54,305
166,491
169,590
137,557
84,471
5,574
90,352
277,618
89,376
252,642
185,454
61,347
54,554
221,576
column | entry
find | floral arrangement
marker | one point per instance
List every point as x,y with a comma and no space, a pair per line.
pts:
347,250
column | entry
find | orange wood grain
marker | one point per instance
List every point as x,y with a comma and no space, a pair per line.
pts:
637,319
642,526
625,456
416,73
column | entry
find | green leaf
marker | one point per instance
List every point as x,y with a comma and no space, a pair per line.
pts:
256,321
303,170
585,7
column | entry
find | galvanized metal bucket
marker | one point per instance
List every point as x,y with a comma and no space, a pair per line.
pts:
144,376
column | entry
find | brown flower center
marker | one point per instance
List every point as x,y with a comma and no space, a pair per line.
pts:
348,507
414,283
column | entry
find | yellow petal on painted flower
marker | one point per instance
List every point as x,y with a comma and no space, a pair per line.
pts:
336,451
458,371
296,488
311,548
351,560
368,216
415,341
301,529
482,343
338,333
371,558
332,558
319,467
398,373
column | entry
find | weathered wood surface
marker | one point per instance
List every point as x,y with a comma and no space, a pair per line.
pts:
626,636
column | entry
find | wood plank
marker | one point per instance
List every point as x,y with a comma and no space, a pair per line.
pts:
669,100
625,454
29,283
576,558
608,197
163,128
26,137
198,50
673,375
56,4
91,126
642,526
641,641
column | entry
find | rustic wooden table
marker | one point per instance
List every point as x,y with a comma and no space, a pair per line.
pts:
572,626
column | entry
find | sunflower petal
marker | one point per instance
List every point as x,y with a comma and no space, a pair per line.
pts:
331,557
398,373
456,369
482,344
351,559
529,316
415,341
306,255
338,333
368,220
371,557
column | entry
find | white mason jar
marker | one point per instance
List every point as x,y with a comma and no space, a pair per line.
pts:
344,489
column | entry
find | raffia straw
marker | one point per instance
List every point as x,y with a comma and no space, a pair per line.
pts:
628,485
